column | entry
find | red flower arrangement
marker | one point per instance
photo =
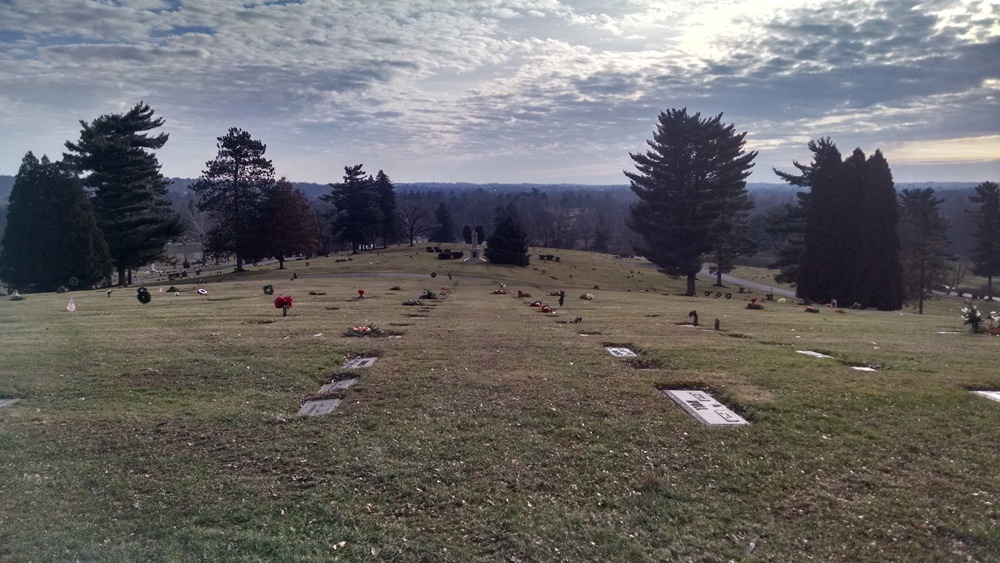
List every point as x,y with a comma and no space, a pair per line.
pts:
812,310
361,294
283,301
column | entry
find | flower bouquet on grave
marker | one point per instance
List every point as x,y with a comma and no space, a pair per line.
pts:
536,304
972,317
364,330
546,309
753,304
361,294
994,328
283,302
522,294
499,291
811,309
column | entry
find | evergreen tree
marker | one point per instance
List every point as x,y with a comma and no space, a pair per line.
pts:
729,236
923,235
129,192
357,201
788,222
508,244
695,171
387,206
289,224
985,253
233,188
52,238
849,243
445,231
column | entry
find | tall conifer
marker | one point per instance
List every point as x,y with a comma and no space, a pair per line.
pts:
51,238
985,253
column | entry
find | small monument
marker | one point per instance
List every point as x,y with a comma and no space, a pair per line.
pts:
473,237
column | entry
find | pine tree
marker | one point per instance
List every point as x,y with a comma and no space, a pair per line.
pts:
923,235
129,193
357,201
849,243
729,236
232,189
788,222
508,244
695,171
445,231
985,254
289,224
51,238
387,206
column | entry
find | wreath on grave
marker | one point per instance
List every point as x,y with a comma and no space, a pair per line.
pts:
142,294
268,289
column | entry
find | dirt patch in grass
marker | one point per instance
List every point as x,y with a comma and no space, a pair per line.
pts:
590,333
260,321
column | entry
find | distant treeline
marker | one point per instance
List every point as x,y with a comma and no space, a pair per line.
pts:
567,215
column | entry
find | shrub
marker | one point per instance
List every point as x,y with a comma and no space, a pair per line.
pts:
457,254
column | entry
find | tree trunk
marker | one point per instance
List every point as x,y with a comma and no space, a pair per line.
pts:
989,288
121,277
691,288
239,263
718,277
281,261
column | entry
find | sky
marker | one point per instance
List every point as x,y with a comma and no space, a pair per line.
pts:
509,91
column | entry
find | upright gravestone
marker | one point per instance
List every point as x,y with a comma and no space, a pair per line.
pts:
473,239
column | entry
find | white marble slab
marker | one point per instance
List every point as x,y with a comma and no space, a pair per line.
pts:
317,408
359,363
991,395
8,402
813,354
620,352
704,408
338,385
863,368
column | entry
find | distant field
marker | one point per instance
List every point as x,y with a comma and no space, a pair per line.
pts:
489,431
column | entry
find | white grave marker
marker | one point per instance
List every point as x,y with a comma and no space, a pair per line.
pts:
359,363
704,408
317,408
991,395
8,402
863,368
813,354
620,352
338,385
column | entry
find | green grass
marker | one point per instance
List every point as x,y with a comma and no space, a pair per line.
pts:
489,431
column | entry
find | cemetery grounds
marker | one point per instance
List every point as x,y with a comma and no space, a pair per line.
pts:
489,430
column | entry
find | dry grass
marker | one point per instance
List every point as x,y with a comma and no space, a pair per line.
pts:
490,430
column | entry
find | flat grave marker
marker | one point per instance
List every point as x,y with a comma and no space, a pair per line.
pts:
704,408
813,354
359,363
620,352
864,368
8,402
991,395
317,408
338,385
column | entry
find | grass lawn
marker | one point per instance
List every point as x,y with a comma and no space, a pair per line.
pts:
489,431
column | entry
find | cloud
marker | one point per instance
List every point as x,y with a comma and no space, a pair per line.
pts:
484,85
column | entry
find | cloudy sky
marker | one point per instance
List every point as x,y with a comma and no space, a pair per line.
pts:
546,91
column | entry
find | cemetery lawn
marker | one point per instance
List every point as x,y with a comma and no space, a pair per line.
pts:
489,431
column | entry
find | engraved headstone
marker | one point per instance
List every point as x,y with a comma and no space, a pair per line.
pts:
8,402
620,352
813,354
704,408
338,385
359,363
317,408
992,395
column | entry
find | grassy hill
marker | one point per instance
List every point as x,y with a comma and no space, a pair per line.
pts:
488,430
